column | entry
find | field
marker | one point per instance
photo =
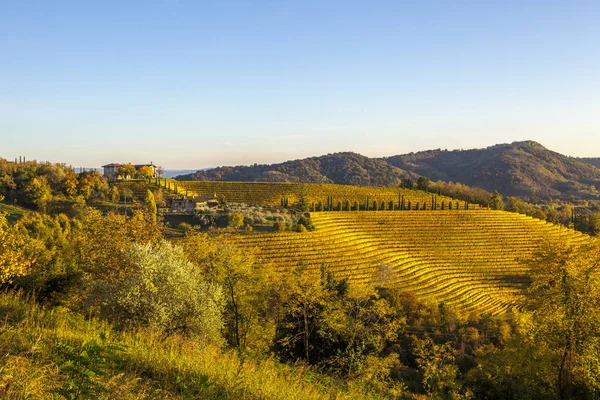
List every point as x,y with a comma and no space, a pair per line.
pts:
271,193
468,259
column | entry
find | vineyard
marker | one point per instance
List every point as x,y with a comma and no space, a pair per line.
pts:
335,196
468,259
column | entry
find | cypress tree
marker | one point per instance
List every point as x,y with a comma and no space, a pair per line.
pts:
356,206
391,205
409,206
443,205
339,205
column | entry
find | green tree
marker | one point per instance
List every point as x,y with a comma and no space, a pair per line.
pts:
495,202
423,183
163,290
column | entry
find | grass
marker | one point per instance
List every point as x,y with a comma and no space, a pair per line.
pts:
57,354
13,212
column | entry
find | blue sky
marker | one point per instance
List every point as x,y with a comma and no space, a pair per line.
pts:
191,84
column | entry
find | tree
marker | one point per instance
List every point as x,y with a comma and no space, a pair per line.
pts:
13,260
237,220
165,291
423,183
145,172
114,194
244,283
437,364
160,171
495,202
150,205
37,192
126,171
564,299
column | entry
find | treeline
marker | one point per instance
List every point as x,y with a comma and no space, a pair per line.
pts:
376,342
55,188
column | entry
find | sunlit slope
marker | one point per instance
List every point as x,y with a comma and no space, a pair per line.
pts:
271,193
469,259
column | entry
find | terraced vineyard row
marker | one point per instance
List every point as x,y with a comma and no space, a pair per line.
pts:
271,193
469,259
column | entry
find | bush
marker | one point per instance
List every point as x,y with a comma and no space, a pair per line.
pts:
279,226
165,291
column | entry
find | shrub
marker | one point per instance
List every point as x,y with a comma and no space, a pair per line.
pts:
165,291
279,226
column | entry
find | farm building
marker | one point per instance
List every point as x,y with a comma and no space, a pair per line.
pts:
192,203
111,171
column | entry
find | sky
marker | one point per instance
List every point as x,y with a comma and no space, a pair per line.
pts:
195,84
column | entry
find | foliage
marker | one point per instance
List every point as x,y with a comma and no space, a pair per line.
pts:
126,171
13,259
164,291
495,202
150,205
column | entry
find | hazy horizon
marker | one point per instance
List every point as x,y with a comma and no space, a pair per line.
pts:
192,85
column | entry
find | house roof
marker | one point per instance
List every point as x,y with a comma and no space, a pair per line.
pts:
136,166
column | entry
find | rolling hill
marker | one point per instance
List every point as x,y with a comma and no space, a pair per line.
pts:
517,169
468,259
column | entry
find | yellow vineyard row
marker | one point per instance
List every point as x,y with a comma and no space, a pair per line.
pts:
470,259
272,193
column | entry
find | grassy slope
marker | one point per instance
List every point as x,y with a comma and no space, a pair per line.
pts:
36,345
13,212
466,258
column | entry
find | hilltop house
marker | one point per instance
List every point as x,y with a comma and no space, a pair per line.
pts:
111,171
192,203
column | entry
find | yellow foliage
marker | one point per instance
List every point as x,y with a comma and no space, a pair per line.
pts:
13,261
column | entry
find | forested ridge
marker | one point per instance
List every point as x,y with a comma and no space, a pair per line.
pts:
517,169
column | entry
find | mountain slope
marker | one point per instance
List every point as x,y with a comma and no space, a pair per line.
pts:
343,168
595,161
516,169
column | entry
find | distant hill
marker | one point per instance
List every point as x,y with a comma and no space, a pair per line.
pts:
517,169
342,168
172,173
593,161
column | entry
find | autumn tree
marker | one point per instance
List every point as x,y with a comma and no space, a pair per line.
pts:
145,172
495,202
126,171
150,205
13,260
245,287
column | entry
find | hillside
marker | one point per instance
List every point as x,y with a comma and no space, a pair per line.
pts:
595,161
270,194
516,169
468,259
342,168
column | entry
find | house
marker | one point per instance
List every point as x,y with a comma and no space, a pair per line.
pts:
192,203
111,171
